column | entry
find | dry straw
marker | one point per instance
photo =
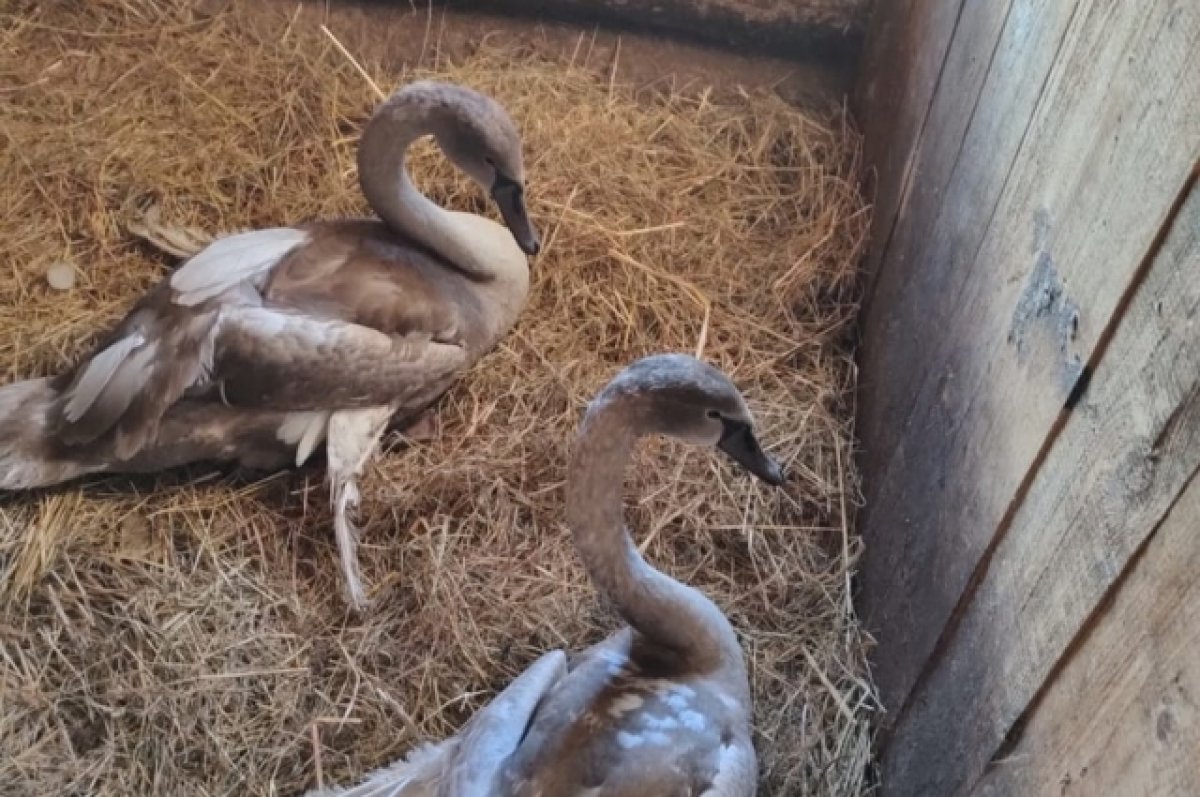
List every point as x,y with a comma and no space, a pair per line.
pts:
186,636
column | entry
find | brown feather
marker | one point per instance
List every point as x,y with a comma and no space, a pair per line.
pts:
149,379
361,272
357,316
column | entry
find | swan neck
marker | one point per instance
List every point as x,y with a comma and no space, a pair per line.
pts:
390,192
669,614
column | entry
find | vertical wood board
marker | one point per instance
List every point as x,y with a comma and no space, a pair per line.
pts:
995,74
1122,459
1113,140
906,48
1123,716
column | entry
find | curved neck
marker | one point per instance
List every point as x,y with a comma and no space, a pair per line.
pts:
391,194
664,611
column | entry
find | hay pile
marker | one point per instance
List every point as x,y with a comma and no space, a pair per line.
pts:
186,635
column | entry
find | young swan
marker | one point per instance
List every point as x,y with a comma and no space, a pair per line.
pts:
268,343
660,708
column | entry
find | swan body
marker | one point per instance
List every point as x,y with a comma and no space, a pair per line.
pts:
660,709
267,344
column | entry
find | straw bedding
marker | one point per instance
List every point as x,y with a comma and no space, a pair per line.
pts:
185,634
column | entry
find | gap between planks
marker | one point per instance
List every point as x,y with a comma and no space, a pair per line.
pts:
1093,621
1102,344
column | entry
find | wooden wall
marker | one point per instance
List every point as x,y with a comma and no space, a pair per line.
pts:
1030,395
828,30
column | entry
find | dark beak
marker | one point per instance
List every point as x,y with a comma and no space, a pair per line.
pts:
510,198
739,443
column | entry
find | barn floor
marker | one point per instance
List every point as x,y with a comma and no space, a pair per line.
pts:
185,635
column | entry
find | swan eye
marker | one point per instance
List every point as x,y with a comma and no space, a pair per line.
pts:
716,416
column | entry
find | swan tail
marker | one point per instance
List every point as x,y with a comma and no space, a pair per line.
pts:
29,455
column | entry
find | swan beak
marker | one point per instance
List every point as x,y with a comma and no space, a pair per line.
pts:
510,198
739,443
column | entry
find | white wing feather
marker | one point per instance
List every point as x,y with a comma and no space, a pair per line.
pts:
304,430
96,376
494,733
737,771
417,775
466,765
234,259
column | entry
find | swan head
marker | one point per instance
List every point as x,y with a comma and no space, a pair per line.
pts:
478,136
682,397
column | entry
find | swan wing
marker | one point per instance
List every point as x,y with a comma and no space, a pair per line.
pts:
493,734
158,352
415,775
164,346
286,360
467,764
230,261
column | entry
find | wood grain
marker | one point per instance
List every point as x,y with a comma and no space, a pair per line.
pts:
1120,462
1112,140
906,48
977,123
1123,716
825,29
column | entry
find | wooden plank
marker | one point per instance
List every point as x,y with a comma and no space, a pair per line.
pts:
873,102
800,29
1111,143
1123,716
906,47
976,124
1123,457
